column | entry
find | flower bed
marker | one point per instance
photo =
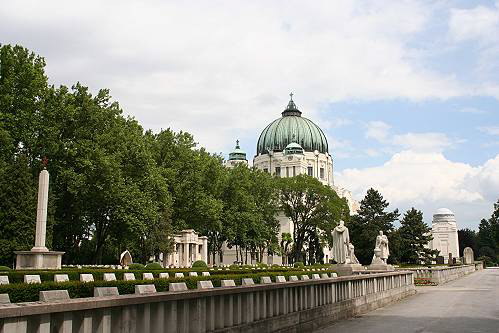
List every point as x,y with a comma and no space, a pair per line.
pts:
424,282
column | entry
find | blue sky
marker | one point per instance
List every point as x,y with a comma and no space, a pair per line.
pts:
406,91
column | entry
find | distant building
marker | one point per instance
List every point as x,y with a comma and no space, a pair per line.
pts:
444,232
290,146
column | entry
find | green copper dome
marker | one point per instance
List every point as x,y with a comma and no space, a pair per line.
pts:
292,127
237,154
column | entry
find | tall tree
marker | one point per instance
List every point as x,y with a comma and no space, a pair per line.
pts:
415,236
313,208
371,218
467,238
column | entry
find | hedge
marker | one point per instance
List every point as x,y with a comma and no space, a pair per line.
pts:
74,275
30,292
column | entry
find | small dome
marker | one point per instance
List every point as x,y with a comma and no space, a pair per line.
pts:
443,211
293,148
237,154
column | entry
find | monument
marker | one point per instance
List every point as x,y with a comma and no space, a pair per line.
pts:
343,251
444,232
40,257
125,258
381,254
469,257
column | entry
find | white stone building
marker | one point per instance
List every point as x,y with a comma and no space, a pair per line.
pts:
444,232
289,146
189,247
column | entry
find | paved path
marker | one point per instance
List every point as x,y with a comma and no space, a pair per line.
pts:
469,304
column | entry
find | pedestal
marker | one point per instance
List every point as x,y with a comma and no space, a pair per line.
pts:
379,265
38,259
348,269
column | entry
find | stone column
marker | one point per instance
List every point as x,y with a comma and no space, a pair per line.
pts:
186,255
204,252
41,213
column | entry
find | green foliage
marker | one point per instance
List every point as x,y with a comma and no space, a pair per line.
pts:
136,266
415,236
199,264
314,209
298,264
5,268
467,238
153,265
371,218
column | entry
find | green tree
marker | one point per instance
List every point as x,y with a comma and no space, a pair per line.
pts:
415,236
467,238
370,219
313,208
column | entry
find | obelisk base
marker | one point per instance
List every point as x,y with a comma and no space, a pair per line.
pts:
38,260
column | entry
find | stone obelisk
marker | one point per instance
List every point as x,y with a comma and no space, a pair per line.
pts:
41,212
40,257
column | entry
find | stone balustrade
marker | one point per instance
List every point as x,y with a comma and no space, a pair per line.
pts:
441,274
297,305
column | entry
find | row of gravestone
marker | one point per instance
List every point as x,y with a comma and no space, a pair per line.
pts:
142,289
107,277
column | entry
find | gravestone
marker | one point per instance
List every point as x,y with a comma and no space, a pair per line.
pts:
316,277
469,257
53,295
324,276
32,279
280,278
147,276
177,286
265,279
305,277
293,278
129,277
204,285
193,274
164,275
334,275
86,278
228,283
61,278
247,282
142,289
440,260
179,275
4,299
450,260
109,277
106,291
4,279
206,273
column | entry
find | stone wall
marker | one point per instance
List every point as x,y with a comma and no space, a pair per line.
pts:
294,306
442,274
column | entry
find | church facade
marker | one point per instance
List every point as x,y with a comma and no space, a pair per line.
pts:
289,146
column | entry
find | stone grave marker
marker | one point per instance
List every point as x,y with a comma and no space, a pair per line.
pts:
109,277
334,275
324,276
106,291
164,275
293,278
86,278
247,282
179,275
204,285
177,286
206,273
228,283
4,279
280,278
193,274
265,279
129,277
61,278
315,277
147,276
32,279
53,295
4,299
305,277
142,289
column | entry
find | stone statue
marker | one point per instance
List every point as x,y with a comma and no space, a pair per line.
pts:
382,247
341,241
351,254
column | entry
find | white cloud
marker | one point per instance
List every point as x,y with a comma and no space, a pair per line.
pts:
490,130
423,142
428,181
478,23
377,130
223,69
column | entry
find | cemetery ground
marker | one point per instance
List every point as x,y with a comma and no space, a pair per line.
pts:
468,304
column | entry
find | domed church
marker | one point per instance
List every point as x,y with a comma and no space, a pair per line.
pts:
289,146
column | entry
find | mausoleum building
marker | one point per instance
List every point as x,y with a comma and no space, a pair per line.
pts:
444,232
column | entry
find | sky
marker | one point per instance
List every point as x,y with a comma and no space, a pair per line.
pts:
407,92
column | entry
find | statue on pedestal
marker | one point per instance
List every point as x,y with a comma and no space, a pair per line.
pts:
341,241
381,254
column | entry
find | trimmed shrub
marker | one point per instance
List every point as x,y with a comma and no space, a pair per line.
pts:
4,268
153,265
199,264
136,266
234,267
298,264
